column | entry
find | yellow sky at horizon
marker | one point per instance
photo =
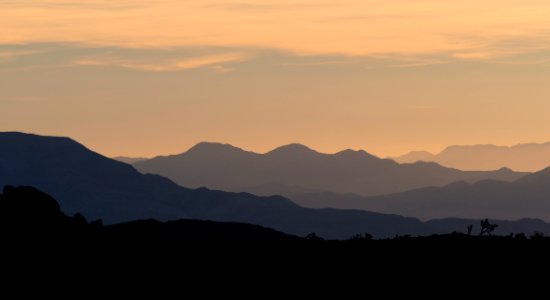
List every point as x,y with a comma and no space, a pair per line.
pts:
170,147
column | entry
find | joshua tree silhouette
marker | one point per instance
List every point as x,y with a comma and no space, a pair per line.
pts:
487,228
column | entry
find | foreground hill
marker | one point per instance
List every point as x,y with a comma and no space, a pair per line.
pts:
530,157
37,238
26,213
29,216
294,169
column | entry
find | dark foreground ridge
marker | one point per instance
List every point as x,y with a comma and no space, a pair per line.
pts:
27,213
37,235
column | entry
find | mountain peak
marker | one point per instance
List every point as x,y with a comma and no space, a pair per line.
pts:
420,155
292,149
355,153
23,142
414,156
206,151
209,147
30,136
418,152
541,177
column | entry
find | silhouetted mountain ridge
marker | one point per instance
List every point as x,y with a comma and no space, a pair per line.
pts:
101,188
210,148
349,171
540,178
292,151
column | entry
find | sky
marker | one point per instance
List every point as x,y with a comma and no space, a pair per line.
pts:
144,78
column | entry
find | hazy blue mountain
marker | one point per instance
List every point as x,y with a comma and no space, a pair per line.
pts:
415,156
530,157
528,197
129,160
332,200
295,168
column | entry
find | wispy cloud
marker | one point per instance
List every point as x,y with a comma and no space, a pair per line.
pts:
320,63
220,69
420,64
470,29
521,62
214,62
484,55
266,7
10,55
400,61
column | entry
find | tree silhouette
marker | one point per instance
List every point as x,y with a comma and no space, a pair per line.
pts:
313,237
537,236
487,227
470,227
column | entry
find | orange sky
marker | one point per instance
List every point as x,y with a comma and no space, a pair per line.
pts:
142,78
467,28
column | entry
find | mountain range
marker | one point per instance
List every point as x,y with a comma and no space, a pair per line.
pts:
530,157
102,188
296,169
526,197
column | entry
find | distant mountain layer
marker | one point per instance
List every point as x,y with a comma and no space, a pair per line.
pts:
99,187
526,197
523,157
296,169
129,160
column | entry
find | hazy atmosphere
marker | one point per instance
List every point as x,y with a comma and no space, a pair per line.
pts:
344,131
142,78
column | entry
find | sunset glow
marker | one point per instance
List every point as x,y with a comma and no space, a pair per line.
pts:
142,78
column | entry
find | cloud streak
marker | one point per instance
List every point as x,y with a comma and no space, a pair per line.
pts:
11,55
214,62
